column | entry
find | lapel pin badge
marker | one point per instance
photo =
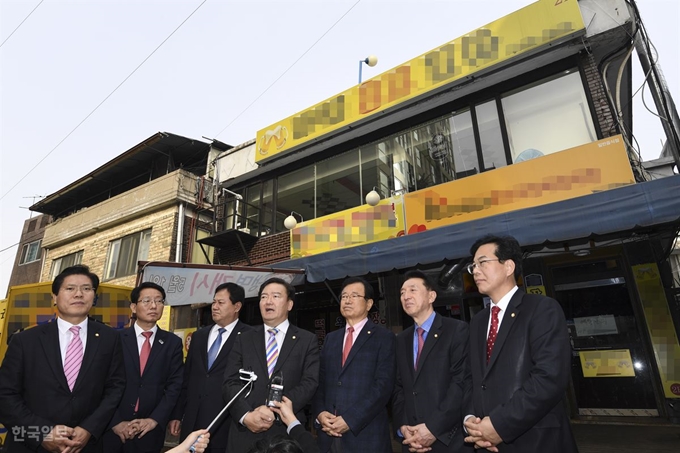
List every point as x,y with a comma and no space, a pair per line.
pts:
293,337
512,315
436,335
160,341
96,334
369,332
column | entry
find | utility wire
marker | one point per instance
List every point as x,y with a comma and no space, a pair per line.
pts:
10,247
102,102
21,23
289,68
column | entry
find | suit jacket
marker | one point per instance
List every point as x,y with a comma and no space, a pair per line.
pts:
299,363
305,439
360,390
157,389
434,394
201,397
33,389
522,387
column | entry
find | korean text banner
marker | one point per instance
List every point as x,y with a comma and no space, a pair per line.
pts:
191,285
525,30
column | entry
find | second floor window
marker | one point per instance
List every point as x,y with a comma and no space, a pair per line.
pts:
31,252
123,254
65,261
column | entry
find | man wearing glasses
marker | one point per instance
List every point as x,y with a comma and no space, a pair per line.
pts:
153,369
356,378
520,359
277,347
60,382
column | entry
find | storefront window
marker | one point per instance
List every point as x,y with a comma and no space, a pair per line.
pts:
463,144
434,157
338,186
296,193
490,135
547,117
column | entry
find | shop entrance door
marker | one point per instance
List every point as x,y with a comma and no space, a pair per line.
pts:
611,369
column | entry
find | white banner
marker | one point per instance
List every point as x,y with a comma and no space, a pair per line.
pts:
191,285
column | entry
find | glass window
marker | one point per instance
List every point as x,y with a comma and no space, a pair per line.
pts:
550,116
338,184
431,144
251,224
267,207
463,144
296,193
124,253
490,135
31,252
62,263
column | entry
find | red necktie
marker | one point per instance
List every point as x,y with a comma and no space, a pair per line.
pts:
348,344
144,357
493,331
421,342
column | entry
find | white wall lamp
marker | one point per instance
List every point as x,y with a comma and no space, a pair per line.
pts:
370,60
372,198
290,222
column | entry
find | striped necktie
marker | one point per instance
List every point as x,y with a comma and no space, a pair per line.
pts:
272,351
74,357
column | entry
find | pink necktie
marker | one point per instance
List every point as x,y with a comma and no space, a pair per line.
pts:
421,342
144,357
348,344
74,357
493,331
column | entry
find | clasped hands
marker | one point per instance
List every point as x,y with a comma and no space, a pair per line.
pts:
333,425
138,427
482,433
64,439
418,438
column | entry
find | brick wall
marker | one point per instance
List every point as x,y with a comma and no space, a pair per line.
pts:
267,250
95,247
603,114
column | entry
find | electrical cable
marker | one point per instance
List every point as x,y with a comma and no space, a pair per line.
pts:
102,102
22,22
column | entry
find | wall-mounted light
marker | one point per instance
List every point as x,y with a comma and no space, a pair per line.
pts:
290,222
371,60
581,253
372,198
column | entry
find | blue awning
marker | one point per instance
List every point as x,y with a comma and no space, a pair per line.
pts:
624,209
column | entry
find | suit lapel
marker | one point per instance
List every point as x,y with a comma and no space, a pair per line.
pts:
509,318
289,342
430,341
50,343
129,340
361,340
260,347
407,338
91,349
157,347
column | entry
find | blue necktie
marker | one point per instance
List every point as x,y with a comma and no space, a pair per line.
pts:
215,347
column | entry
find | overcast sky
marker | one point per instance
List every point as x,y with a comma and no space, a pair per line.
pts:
68,56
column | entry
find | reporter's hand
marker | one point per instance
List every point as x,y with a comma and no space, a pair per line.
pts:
259,420
199,439
285,410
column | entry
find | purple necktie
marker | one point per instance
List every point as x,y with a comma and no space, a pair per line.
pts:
74,357
421,342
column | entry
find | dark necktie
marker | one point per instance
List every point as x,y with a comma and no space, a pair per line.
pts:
493,331
348,344
421,342
215,347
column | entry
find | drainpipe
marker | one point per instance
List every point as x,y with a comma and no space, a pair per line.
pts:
180,234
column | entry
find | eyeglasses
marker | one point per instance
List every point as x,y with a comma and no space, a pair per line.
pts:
471,267
74,289
353,296
276,297
147,301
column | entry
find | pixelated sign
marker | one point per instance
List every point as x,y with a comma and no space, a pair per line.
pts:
527,29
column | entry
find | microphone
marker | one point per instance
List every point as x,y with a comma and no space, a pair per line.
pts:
275,389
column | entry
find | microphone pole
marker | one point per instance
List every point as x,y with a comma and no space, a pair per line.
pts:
251,377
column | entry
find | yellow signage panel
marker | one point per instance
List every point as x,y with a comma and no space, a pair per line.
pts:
659,322
572,173
607,363
527,29
348,228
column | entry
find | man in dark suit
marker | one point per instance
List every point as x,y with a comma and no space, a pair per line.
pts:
356,378
61,382
153,371
201,397
432,376
520,359
275,347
